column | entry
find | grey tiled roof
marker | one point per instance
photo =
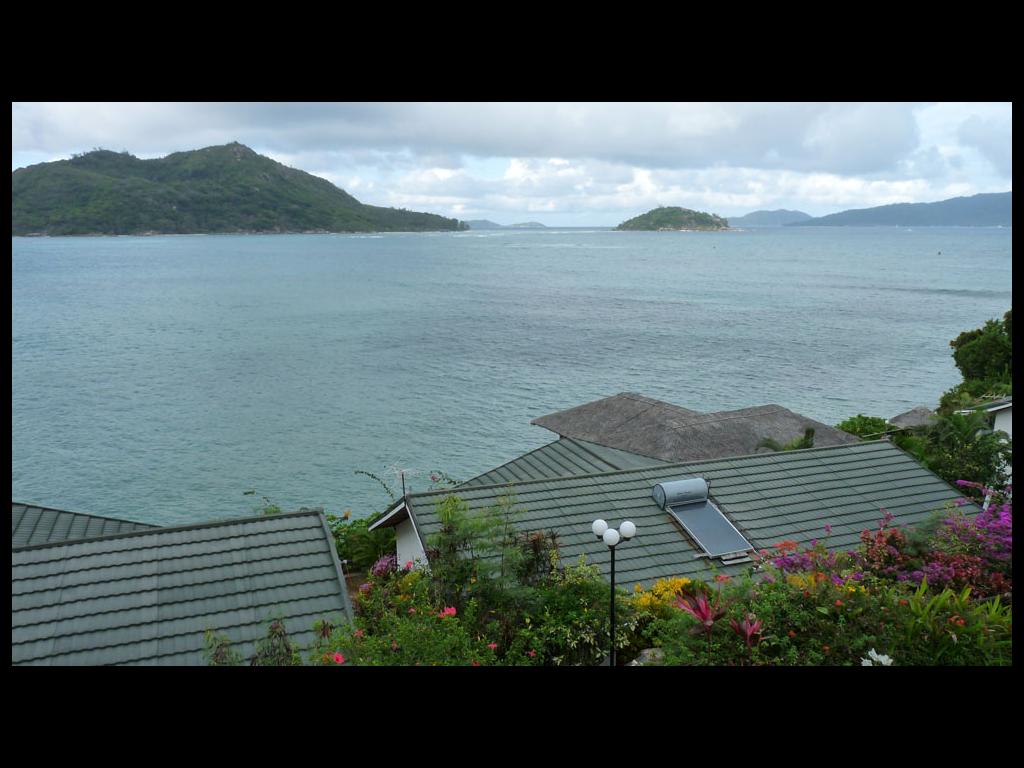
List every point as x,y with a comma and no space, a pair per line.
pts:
147,597
769,497
919,416
648,427
561,458
31,524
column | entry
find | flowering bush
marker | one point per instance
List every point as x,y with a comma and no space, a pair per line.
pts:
963,551
659,600
385,565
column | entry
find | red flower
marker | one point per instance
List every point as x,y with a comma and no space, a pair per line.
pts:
475,663
493,646
825,648
839,603
791,633
722,578
339,659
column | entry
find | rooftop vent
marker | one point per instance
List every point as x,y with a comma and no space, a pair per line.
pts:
689,502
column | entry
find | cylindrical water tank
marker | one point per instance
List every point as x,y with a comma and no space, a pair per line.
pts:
680,492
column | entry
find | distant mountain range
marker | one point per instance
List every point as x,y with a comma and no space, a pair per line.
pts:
984,210
227,188
768,218
674,219
485,224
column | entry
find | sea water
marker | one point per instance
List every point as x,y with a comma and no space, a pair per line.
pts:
159,378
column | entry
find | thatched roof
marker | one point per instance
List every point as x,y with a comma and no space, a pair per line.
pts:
919,416
638,424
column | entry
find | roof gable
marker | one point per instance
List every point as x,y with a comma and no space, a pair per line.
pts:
148,597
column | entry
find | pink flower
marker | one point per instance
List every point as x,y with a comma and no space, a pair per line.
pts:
408,566
493,646
339,659
531,654
413,610
448,611
828,528
722,578
358,633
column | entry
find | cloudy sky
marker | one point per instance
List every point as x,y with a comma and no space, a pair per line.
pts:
571,164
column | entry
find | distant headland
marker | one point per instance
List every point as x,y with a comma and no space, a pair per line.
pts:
984,210
485,224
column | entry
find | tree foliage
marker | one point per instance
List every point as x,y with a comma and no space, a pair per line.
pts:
796,444
227,188
674,218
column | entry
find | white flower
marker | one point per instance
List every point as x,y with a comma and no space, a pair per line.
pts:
866,663
880,657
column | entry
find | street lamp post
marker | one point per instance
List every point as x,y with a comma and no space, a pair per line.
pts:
611,538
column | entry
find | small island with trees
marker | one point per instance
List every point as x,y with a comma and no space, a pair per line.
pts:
674,219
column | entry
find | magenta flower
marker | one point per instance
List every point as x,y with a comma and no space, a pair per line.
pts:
339,659
749,629
703,611
828,529
448,611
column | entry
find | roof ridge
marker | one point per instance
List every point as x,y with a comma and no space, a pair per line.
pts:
172,529
666,466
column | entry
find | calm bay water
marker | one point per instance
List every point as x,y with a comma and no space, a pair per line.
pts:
158,378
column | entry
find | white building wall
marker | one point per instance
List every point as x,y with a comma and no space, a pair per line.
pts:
1004,420
407,544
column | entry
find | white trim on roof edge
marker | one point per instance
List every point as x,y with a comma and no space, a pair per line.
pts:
389,516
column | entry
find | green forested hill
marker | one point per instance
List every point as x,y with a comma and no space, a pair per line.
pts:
675,218
226,188
983,210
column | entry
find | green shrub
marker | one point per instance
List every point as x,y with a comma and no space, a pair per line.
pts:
865,426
